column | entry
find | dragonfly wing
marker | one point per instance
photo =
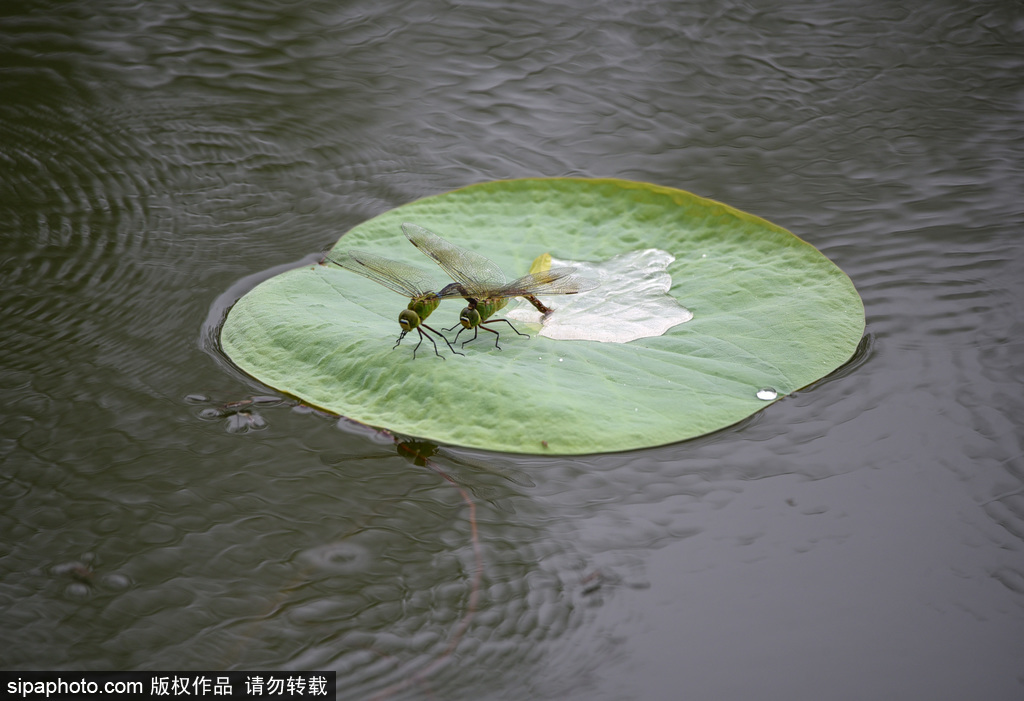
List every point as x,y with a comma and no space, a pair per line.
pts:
476,273
401,277
557,281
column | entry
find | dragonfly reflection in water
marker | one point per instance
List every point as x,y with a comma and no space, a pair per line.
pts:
404,279
483,284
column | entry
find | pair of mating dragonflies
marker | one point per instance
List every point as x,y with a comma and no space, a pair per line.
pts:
478,280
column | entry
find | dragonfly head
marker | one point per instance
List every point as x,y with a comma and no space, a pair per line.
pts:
408,320
469,317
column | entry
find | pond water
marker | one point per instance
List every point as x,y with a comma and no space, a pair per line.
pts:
863,538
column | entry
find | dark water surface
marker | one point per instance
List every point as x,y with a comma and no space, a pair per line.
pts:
863,538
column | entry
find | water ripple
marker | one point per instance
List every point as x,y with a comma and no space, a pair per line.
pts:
156,154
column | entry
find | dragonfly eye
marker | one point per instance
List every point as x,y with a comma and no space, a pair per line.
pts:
469,317
408,320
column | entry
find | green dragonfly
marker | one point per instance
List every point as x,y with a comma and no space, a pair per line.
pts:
406,280
482,283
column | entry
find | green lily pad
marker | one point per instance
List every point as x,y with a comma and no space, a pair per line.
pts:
769,312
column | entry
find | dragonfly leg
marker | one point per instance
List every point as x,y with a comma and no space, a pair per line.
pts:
455,352
424,334
400,337
421,341
475,334
492,321
496,334
455,340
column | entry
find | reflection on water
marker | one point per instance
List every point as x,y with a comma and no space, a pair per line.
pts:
155,155
240,415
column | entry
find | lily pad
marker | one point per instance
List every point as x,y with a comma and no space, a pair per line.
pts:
769,312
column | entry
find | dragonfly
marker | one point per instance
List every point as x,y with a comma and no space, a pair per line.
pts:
482,283
405,279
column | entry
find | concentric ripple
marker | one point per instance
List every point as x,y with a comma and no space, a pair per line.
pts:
157,156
